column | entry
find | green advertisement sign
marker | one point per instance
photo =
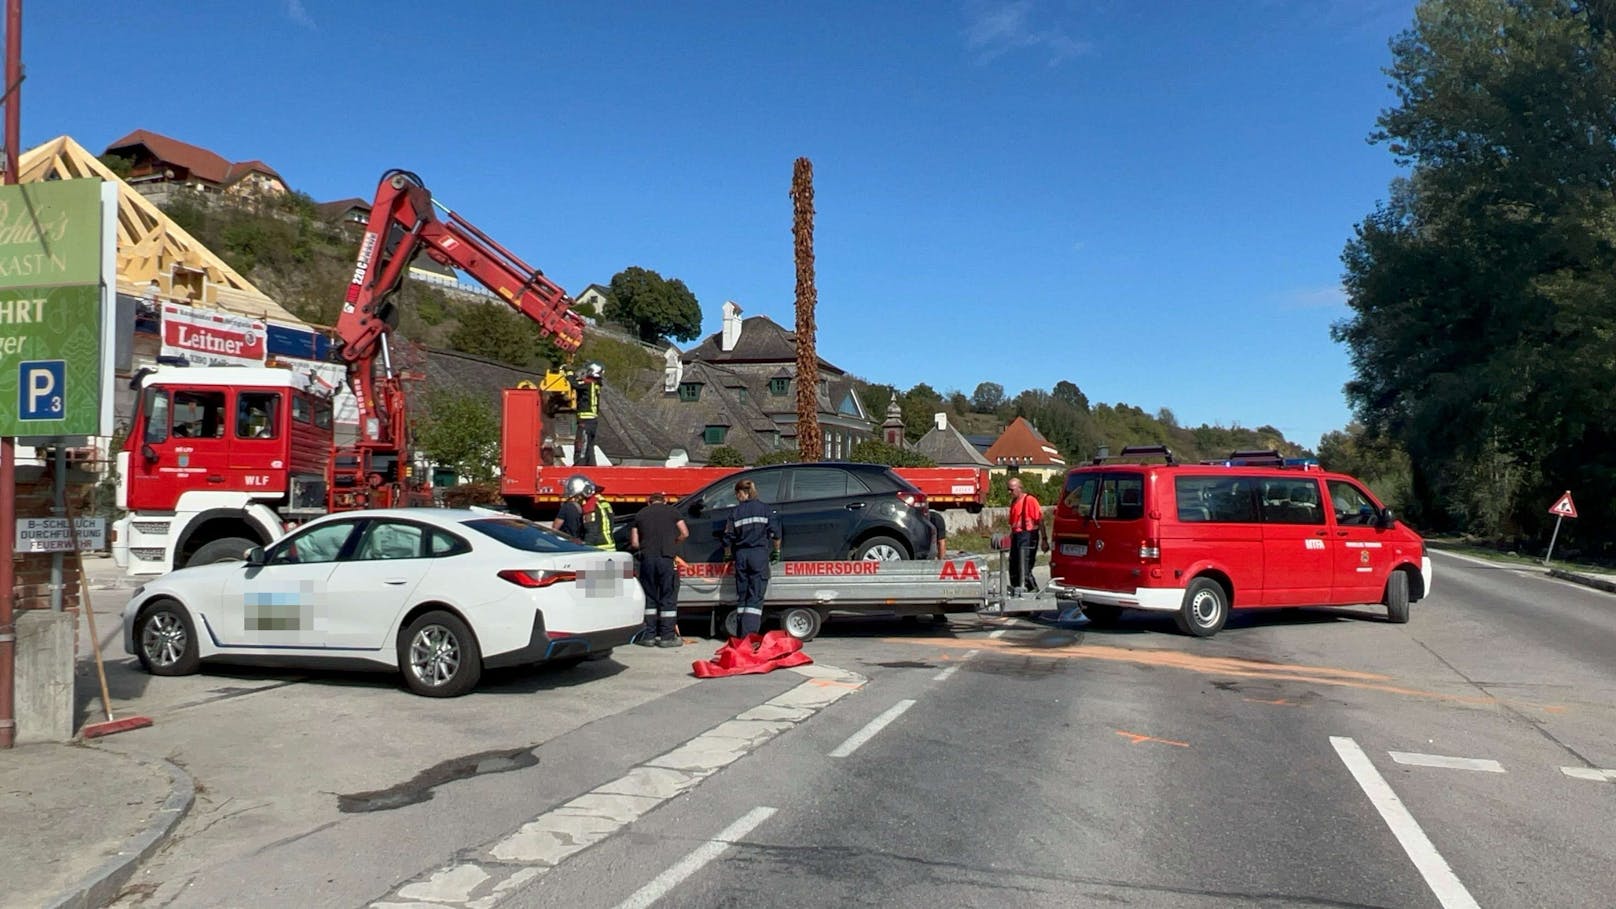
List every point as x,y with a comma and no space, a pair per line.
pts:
53,346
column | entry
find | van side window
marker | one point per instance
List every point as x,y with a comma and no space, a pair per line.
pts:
1078,496
1209,499
1352,505
1122,497
1291,501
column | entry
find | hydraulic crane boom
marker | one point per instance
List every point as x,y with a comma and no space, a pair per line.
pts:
403,223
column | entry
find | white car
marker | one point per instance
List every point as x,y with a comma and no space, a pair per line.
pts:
437,594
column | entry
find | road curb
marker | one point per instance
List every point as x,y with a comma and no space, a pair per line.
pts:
1583,579
99,887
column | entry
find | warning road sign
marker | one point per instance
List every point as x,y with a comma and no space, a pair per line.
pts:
1563,507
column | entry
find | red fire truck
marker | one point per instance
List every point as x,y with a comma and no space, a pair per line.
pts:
220,459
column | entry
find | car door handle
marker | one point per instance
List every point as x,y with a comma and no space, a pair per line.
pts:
1341,533
854,506
396,582
215,478
1321,533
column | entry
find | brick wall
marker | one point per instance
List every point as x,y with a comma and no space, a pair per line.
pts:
33,569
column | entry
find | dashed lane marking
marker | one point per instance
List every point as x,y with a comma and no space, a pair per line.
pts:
1415,759
1590,773
481,877
696,860
871,728
943,676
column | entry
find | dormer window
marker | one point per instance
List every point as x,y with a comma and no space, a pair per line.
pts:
714,435
690,391
743,395
778,387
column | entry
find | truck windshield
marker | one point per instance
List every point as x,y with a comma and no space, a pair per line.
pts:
526,535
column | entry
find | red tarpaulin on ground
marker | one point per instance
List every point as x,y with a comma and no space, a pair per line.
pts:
751,654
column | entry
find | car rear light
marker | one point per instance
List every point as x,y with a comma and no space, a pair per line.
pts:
523,577
1148,549
915,500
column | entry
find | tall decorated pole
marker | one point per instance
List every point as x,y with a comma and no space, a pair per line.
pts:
8,445
810,444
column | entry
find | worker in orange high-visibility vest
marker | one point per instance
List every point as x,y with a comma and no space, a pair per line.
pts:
1027,532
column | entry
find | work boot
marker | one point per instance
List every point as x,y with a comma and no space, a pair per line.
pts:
670,640
646,638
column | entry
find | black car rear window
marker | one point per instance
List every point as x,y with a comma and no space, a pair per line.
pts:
526,535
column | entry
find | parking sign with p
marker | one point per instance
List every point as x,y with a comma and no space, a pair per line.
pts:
42,389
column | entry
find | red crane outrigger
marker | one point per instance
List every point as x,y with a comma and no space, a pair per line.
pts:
375,471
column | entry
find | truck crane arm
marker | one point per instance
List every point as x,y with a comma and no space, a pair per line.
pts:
403,223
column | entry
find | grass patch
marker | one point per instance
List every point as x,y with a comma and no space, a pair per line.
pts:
1482,549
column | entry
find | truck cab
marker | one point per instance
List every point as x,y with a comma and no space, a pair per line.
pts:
217,460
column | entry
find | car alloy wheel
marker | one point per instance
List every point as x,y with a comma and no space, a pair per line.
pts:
163,639
434,655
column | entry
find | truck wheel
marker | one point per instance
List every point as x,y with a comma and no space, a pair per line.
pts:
1205,609
439,657
1397,598
229,549
729,624
802,622
880,549
166,640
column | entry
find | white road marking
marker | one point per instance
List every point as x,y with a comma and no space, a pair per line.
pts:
1449,891
943,676
1000,633
696,860
876,725
1590,773
1416,759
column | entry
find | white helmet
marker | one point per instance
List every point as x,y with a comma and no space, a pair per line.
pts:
594,370
579,486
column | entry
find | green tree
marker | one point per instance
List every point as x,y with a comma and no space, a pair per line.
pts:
777,457
460,432
988,397
874,451
653,306
119,165
1483,291
490,330
725,456
919,405
1070,394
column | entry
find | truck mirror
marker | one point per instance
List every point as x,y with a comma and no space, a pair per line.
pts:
149,453
1387,519
255,557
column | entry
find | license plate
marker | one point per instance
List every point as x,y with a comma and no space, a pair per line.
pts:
1074,549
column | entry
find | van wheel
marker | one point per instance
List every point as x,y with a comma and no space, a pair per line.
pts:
1103,616
229,549
802,622
1205,609
1397,598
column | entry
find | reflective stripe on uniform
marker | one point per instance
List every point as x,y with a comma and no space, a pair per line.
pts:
750,610
755,519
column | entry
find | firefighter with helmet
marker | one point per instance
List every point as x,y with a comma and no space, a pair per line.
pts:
586,387
585,515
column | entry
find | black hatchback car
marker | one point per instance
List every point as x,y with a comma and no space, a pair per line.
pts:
828,510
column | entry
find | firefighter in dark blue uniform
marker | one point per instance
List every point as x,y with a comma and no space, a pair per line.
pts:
753,536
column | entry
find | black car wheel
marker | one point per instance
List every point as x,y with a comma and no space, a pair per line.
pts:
880,549
166,640
1397,598
439,657
1205,609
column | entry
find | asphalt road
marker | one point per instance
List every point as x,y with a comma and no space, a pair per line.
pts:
1309,758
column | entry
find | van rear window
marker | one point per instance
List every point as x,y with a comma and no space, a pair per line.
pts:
1221,499
1113,496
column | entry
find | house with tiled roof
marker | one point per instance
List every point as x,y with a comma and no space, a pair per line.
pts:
754,363
351,213
160,164
945,445
1021,448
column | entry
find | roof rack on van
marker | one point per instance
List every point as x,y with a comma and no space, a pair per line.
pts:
1263,458
1137,451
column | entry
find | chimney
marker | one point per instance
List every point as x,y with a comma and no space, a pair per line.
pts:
673,369
732,326
940,420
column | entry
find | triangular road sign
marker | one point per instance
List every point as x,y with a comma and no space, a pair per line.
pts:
1563,507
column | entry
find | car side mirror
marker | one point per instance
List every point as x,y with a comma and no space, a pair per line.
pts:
149,453
1386,519
256,557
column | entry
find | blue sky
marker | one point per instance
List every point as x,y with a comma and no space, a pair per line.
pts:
1149,200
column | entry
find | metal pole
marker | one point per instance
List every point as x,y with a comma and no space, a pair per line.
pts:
1553,537
8,446
59,510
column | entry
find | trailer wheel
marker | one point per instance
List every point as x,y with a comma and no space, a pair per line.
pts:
802,622
729,624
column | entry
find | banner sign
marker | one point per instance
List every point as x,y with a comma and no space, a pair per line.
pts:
208,337
56,347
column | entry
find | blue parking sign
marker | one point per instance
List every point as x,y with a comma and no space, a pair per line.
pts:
41,389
